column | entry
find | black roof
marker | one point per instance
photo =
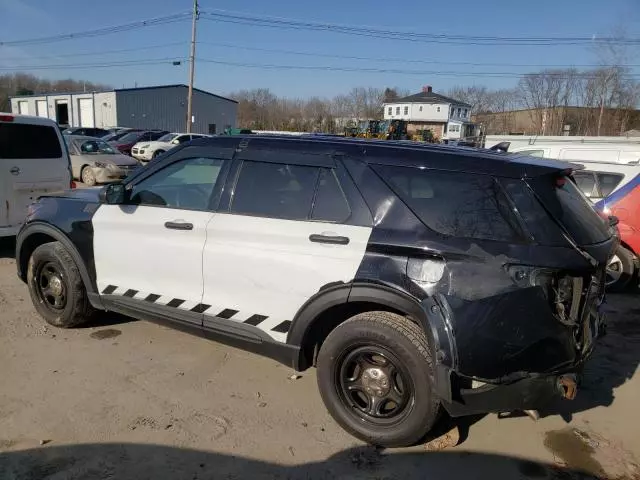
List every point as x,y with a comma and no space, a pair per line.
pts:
386,152
429,97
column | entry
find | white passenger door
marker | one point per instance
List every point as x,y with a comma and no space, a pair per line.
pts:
150,250
283,239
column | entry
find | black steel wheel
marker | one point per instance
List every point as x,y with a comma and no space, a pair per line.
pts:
51,286
375,384
56,287
375,378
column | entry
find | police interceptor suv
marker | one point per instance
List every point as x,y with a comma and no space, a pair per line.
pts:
417,279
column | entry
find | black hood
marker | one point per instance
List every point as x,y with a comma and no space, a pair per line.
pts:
85,194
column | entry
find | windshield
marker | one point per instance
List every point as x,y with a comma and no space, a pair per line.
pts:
168,137
97,146
129,137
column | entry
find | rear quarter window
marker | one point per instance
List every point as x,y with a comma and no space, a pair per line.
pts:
23,141
455,204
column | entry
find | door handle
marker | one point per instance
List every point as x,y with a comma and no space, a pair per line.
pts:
14,171
179,225
331,239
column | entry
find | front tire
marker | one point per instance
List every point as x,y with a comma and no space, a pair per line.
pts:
620,270
157,153
374,376
88,177
56,287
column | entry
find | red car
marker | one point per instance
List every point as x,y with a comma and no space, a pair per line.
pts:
624,203
125,143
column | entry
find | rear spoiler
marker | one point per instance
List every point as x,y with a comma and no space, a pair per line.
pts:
502,147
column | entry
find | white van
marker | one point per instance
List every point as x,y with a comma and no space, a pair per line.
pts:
33,161
584,152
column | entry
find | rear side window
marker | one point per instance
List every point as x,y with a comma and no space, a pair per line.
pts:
566,203
18,140
607,182
455,204
275,190
532,153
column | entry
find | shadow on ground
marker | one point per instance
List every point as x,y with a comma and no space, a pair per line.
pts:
138,461
7,247
614,361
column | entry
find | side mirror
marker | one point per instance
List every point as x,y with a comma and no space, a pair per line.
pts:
175,142
113,194
613,221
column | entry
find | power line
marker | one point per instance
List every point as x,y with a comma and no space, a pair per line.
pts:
390,70
400,60
276,22
124,63
100,52
177,17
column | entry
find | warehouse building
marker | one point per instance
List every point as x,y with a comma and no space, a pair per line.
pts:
162,107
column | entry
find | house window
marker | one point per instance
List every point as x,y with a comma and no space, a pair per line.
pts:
420,107
465,113
406,110
438,109
390,110
459,111
397,110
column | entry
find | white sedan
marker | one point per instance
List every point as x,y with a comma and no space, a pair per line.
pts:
145,151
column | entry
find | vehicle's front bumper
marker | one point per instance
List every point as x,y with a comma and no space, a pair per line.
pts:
145,154
112,174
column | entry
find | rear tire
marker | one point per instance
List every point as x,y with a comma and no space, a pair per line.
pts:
56,287
620,270
374,376
88,177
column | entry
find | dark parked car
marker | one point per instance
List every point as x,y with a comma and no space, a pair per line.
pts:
112,137
127,141
415,278
87,132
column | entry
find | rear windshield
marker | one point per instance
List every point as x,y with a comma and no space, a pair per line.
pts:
19,140
568,205
455,204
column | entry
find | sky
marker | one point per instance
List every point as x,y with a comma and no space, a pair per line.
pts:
415,63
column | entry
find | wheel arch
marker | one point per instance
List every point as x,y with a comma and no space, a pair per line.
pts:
332,306
36,234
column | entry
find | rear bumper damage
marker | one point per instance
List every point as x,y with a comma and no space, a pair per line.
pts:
464,390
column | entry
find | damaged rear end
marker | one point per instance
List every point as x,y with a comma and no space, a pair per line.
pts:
513,316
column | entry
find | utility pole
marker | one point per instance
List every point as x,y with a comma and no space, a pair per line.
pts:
192,60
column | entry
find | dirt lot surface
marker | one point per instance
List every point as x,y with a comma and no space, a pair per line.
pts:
129,399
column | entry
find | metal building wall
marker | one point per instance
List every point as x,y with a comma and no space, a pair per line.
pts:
166,108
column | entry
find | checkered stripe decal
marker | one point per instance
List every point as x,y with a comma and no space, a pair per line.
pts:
276,328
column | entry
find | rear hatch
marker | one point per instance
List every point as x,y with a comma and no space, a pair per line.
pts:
33,161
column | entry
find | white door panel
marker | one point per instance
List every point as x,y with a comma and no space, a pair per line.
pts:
135,251
269,267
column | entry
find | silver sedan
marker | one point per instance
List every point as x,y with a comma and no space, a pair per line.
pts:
94,161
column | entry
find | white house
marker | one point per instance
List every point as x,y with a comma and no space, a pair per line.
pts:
447,118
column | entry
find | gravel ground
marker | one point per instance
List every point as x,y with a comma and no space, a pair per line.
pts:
129,399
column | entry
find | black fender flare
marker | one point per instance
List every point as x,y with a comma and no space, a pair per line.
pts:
58,235
428,312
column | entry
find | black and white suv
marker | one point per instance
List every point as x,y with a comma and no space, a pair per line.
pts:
415,278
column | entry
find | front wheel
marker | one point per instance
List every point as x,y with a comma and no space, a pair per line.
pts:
88,177
374,376
56,287
157,153
620,270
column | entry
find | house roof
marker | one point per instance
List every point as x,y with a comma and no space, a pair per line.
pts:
429,97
